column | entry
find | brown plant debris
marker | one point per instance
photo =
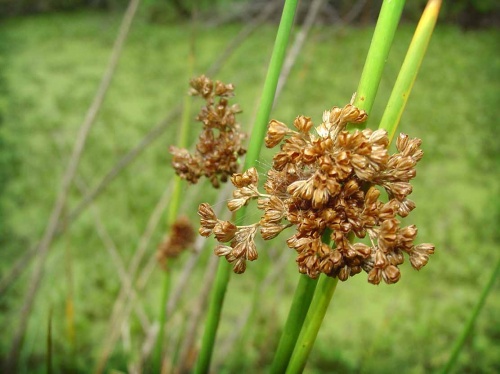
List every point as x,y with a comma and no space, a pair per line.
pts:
323,183
220,142
182,236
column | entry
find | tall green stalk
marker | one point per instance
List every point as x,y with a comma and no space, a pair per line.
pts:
172,215
459,343
381,43
296,316
319,305
298,310
410,67
383,36
256,141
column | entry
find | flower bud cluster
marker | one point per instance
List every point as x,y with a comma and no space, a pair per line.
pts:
323,183
220,142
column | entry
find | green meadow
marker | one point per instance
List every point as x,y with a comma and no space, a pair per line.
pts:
50,68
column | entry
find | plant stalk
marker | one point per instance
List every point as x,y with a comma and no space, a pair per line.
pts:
175,201
256,141
319,305
459,343
381,43
409,69
296,316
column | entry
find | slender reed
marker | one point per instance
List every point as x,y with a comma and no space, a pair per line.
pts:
460,341
409,69
383,36
296,316
381,43
172,213
256,140
49,343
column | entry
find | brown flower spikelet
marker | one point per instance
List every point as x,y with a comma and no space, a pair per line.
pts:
324,181
181,237
220,142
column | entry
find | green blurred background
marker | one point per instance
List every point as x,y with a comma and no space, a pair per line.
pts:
52,56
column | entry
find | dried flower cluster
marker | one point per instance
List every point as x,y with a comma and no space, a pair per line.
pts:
182,235
323,183
220,142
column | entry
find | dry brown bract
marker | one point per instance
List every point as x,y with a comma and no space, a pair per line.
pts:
219,144
324,183
182,235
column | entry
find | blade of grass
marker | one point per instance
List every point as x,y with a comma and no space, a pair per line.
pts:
409,69
459,343
383,36
256,140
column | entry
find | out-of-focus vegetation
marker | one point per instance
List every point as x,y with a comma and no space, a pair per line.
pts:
49,73
467,13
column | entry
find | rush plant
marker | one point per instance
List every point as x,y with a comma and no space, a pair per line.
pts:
325,183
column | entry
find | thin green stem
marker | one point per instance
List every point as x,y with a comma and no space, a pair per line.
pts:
319,305
256,141
298,310
270,84
381,43
49,342
296,316
409,69
172,215
459,343
165,290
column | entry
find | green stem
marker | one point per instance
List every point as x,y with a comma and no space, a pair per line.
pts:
270,84
298,310
172,215
317,310
256,141
163,316
459,343
296,316
381,43
410,68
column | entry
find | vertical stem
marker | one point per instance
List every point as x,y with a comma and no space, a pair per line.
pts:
256,140
270,84
175,202
459,343
298,311
381,43
409,69
319,305
49,342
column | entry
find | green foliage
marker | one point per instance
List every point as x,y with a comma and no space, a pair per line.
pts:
406,327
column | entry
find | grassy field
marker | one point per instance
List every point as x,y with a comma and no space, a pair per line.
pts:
52,65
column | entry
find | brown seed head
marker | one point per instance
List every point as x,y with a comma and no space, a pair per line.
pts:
220,141
325,179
